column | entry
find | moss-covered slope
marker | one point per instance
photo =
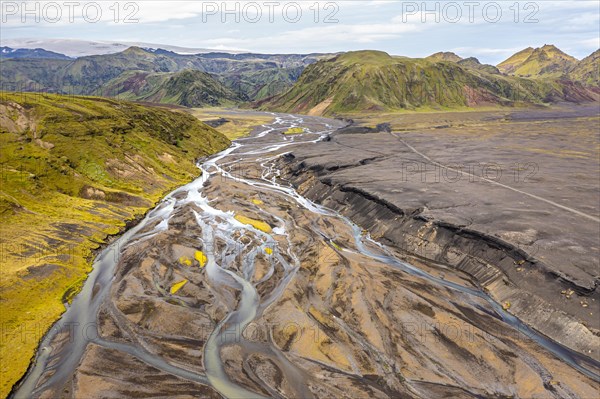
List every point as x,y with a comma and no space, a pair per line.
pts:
189,88
587,70
375,81
74,170
545,61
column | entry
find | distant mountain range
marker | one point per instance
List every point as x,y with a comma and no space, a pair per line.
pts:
318,83
7,52
81,48
228,77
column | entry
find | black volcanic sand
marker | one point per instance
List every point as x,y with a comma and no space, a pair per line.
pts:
339,323
420,189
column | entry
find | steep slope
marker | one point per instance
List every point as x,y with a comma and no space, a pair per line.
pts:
587,71
262,83
33,74
471,62
190,88
513,62
74,170
375,81
546,61
86,74
474,63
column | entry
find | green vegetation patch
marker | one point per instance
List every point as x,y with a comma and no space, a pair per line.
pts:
73,171
294,130
237,123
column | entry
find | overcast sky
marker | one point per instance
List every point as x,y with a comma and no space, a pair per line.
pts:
488,30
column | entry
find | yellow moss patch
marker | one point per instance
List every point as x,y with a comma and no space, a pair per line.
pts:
257,202
177,286
268,251
184,260
294,130
201,258
240,124
318,315
257,224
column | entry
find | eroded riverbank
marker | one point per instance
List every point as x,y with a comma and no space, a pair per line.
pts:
486,193
236,285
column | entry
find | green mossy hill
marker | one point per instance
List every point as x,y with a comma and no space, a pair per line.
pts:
262,83
189,88
91,141
587,70
545,61
444,56
375,81
512,63
74,170
473,63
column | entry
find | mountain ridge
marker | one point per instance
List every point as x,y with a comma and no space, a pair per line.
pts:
250,75
366,81
547,60
189,88
8,52
242,77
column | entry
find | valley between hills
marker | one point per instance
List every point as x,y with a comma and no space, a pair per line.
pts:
323,225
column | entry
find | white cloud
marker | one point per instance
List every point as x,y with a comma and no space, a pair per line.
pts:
332,35
592,43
